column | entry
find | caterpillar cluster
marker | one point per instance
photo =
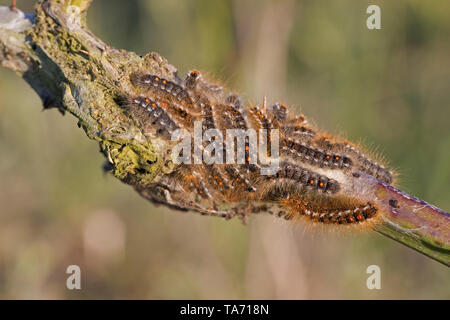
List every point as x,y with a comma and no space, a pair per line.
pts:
314,171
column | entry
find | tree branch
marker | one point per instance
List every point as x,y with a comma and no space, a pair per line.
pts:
72,70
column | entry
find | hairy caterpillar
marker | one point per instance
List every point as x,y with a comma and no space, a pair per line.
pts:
316,176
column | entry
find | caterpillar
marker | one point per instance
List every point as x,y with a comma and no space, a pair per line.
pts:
316,173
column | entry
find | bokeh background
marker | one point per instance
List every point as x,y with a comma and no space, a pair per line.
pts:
388,88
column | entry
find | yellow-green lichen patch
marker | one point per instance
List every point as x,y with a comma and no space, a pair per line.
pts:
140,161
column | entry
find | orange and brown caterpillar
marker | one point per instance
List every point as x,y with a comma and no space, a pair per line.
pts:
317,176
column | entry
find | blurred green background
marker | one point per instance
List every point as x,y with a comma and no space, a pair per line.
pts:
388,88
